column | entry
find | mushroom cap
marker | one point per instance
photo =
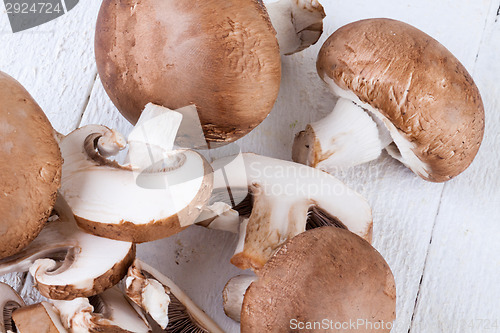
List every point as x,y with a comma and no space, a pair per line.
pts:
30,167
415,83
324,273
218,55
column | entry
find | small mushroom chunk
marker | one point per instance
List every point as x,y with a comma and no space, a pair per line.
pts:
67,263
284,199
107,312
165,302
30,167
323,274
9,302
159,193
218,55
298,23
399,90
41,317
233,295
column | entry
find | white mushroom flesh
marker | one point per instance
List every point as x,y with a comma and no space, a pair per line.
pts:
87,257
234,293
9,301
298,23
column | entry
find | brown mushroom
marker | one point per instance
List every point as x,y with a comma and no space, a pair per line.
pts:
423,106
326,275
222,56
30,167
41,317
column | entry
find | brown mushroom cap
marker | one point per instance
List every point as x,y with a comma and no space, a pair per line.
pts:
324,273
416,83
30,167
222,56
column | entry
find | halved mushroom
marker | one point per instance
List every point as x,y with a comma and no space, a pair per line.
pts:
298,23
159,193
107,312
41,317
401,90
165,302
67,263
30,167
325,273
215,54
280,199
9,302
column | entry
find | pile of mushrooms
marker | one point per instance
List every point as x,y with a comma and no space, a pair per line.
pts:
304,234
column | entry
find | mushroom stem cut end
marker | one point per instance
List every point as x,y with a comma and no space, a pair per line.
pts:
347,137
234,293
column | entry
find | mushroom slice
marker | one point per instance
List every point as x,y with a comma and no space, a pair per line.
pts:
9,302
107,312
165,302
30,167
285,199
159,193
398,94
298,23
325,273
67,263
41,317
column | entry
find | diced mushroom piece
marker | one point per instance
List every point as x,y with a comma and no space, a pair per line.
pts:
400,90
9,302
30,167
159,193
284,199
67,263
298,23
41,317
322,273
165,302
107,312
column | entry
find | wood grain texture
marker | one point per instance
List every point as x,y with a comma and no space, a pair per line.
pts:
56,64
460,291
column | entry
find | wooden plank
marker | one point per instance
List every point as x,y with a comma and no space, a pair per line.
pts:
459,291
404,206
55,62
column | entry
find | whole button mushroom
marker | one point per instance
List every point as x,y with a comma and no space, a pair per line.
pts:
222,56
326,275
30,167
401,90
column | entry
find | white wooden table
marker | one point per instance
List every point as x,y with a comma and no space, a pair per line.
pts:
442,241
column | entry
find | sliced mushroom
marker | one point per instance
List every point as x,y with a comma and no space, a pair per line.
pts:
106,312
67,263
325,273
215,54
283,199
9,302
159,193
401,90
41,317
30,167
298,23
165,302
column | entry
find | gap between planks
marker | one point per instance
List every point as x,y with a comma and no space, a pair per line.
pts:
495,8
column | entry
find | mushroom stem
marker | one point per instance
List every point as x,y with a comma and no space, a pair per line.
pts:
348,136
234,293
298,23
152,139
